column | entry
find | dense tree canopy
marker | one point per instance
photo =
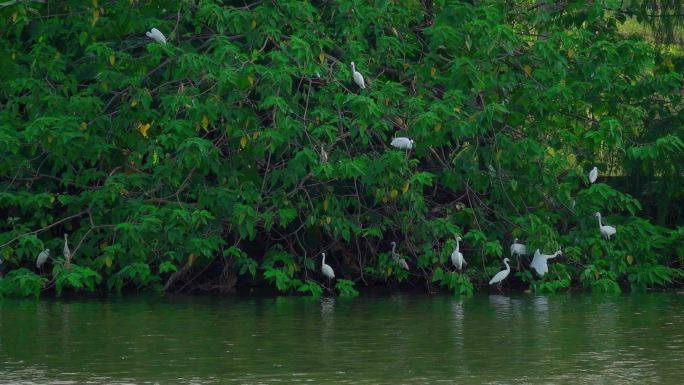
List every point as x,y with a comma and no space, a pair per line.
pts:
241,149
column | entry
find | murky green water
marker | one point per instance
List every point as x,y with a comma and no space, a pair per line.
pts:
391,340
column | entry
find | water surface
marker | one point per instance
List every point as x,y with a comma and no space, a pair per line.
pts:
572,339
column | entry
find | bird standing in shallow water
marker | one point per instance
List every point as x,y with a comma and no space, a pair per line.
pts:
606,231
326,269
358,78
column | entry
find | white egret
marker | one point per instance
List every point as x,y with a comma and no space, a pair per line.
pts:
457,257
518,249
500,276
593,175
402,143
397,259
539,262
156,35
326,269
66,251
606,231
358,78
324,155
42,258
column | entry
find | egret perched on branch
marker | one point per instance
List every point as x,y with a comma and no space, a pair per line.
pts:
593,175
457,257
42,258
606,230
358,78
326,269
518,249
402,143
156,35
397,259
66,251
500,276
539,262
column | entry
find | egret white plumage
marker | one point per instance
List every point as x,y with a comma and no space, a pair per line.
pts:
540,262
42,258
457,257
326,269
156,35
593,175
518,249
402,143
358,78
397,259
66,252
500,276
606,231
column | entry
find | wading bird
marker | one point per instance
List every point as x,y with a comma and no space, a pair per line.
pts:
500,276
606,231
539,262
518,249
358,78
593,175
402,143
66,251
42,258
156,35
457,257
327,270
397,259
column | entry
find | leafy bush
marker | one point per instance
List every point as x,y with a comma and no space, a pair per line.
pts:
240,149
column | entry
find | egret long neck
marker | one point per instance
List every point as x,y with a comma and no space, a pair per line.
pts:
394,248
323,262
508,267
599,220
458,245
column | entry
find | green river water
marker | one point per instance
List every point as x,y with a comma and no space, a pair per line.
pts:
488,339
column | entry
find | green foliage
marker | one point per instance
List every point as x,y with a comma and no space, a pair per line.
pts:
201,162
21,282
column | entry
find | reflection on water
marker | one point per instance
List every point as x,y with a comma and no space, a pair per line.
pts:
492,339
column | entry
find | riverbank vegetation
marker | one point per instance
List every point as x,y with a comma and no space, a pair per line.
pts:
238,151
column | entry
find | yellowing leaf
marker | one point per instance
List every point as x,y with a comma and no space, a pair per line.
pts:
143,128
630,259
191,259
406,187
94,3
328,220
14,17
134,102
253,23
325,205
321,57
108,261
457,109
155,158
433,71
112,59
205,122
394,193
14,55
528,69
95,18
438,127
255,135
571,53
243,141
250,78
84,126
